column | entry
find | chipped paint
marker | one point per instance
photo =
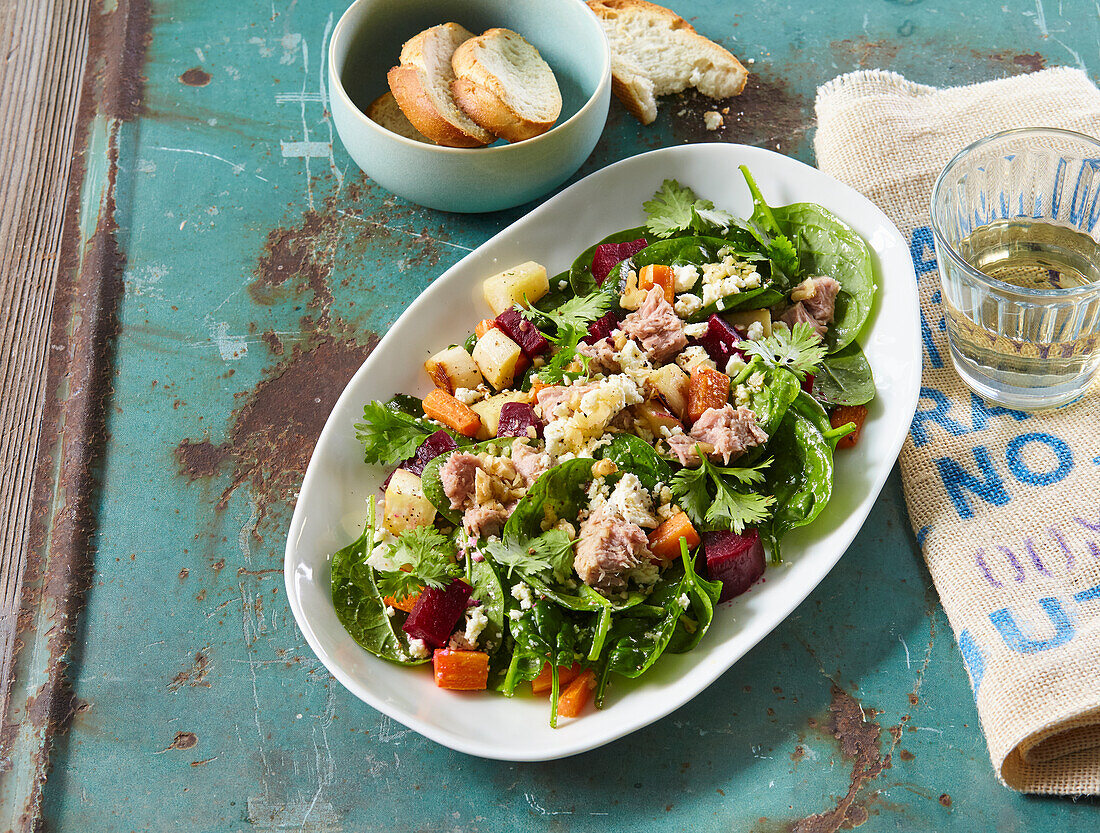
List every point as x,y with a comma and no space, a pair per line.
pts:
195,77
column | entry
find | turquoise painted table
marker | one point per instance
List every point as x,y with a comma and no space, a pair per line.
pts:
259,267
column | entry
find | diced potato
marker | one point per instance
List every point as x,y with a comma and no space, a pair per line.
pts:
655,416
453,368
406,506
489,411
523,285
497,357
671,383
741,319
633,296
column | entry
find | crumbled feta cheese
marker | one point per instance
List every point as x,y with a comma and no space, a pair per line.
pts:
563,285
741,396
379,557
693,356
712,119
687,305
755,382
468,396
755,331
584,418
631,502
515,615
476,620
727,277
419,649
684,601
695,330
684,277
633,362
522,594
389,610
735,365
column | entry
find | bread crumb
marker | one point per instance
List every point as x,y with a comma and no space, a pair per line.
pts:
712,119
725,111
751,61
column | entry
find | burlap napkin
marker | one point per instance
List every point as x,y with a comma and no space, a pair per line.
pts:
1005,506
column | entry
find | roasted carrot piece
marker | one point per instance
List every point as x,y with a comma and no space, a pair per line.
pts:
484,325
442,406
406,604
543,682
664,541
845,414
461,670
707,388
661,276
576,694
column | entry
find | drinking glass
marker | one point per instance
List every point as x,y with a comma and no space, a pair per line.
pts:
1016,224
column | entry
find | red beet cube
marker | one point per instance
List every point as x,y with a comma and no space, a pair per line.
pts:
736,560
516,418
607,255
720,341
808,383
437,612
514,325
438,443
601,328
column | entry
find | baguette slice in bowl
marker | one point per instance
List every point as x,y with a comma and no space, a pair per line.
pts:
422,87
385,111
503,83
656,52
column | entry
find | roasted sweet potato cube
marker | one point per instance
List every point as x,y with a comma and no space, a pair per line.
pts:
707,388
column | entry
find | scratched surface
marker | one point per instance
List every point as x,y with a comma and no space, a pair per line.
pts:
260,269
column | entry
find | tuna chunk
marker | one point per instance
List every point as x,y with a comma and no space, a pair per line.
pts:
457,477
529,462
656,326
608,550
818,309
481,521
601,355
822,304
798,314
683,446
730,431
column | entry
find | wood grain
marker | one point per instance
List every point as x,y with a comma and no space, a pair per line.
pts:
44,44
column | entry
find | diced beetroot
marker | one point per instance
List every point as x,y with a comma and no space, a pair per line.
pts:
438,443
735,560
808,383
514,325
437,612
601,328
515,420
607,255
720,341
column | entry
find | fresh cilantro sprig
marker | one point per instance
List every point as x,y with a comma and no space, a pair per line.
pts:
551,552
798,351
556,370
390,436
421,558
676,207
730,508
577,312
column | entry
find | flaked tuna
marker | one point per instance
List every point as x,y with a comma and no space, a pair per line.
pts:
601,355
729,431
530,462
457,477
609,549
818,309
656,326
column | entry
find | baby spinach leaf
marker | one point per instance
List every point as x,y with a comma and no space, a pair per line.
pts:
828,246
361,607
558,493
488,590
801,478
580,273
771,402
845,378
633,454
702,596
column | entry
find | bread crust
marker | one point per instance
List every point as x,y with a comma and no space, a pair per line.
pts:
643,108
483,98
386,112
407,85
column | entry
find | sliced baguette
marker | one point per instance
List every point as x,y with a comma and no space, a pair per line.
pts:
422,87
656,52
503,83
385,111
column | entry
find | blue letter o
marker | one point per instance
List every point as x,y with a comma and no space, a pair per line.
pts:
1038,478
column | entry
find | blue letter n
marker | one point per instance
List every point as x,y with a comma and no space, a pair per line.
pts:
958,481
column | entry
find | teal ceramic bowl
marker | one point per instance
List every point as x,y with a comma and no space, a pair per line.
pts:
367,42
